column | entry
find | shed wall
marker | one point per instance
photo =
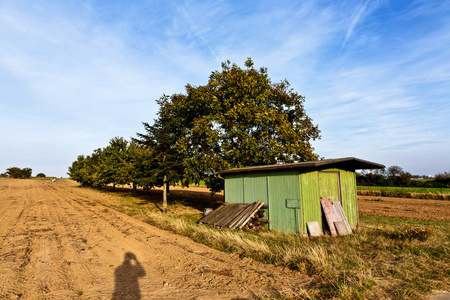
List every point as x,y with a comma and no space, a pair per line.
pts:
311,210
255,187
284,201
349,198
234,189
275,188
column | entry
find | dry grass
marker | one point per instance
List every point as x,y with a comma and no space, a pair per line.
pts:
384,258
404,194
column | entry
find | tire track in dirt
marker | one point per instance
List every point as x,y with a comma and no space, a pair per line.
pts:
16,245
58,244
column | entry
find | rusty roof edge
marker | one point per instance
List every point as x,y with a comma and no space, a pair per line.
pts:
363,164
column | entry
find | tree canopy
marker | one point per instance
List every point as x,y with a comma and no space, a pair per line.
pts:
15,172
239,118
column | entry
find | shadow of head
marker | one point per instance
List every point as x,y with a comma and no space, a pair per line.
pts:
126,278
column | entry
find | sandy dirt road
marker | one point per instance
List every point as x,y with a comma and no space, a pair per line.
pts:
55,244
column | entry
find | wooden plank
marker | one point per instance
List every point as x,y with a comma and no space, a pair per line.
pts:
232,215
341,228
252,213
237,221
314,228
237,215
224,215
330,214
341,215
214,214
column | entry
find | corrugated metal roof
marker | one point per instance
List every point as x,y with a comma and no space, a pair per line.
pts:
347,163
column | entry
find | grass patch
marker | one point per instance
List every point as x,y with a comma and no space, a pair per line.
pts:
385,258
405,192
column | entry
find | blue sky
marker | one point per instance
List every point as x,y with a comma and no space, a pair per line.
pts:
74,74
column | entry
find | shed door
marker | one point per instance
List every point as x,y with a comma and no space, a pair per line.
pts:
329,185
284,202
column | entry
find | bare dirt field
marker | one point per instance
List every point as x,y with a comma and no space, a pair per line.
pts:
56,244
405,208
59,242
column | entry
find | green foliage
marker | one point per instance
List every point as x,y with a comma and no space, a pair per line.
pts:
166,161
120,163
15,172
40,175
395,176
240,118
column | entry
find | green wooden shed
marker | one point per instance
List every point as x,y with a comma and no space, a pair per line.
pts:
293,191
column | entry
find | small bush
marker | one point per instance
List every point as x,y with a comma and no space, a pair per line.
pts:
40,175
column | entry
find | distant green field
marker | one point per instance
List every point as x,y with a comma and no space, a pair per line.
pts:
405,192
406,189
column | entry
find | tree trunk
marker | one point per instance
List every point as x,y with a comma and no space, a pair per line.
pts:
165,188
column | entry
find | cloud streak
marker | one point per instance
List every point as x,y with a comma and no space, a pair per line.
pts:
74,75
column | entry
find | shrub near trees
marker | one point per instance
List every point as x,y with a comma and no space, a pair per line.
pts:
15,172
239,118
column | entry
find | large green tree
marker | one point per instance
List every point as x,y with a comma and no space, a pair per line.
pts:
166,161
239,118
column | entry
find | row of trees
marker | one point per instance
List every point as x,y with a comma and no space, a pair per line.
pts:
121,162
396,176
239,118
15,172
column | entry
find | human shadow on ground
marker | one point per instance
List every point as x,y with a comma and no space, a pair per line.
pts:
126,278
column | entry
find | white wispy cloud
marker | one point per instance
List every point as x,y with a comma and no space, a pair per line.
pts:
375,74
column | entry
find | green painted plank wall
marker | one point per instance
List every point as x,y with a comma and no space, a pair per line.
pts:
283,186
349,198
311,210
255,187
234,189
329,185
275,187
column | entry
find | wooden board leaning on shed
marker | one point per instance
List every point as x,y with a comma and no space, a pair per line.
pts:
232,215
334,214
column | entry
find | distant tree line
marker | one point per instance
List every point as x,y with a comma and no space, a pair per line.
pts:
121,162
15,172
395,176
239,118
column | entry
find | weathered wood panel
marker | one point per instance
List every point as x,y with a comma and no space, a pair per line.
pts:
234,189
232,215
255,187
330,215
349,198
329,185
311,210
283,186
341,216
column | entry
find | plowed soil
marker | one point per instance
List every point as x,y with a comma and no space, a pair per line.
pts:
405,208
56,244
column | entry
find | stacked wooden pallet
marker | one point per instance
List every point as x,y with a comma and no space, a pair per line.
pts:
232,215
